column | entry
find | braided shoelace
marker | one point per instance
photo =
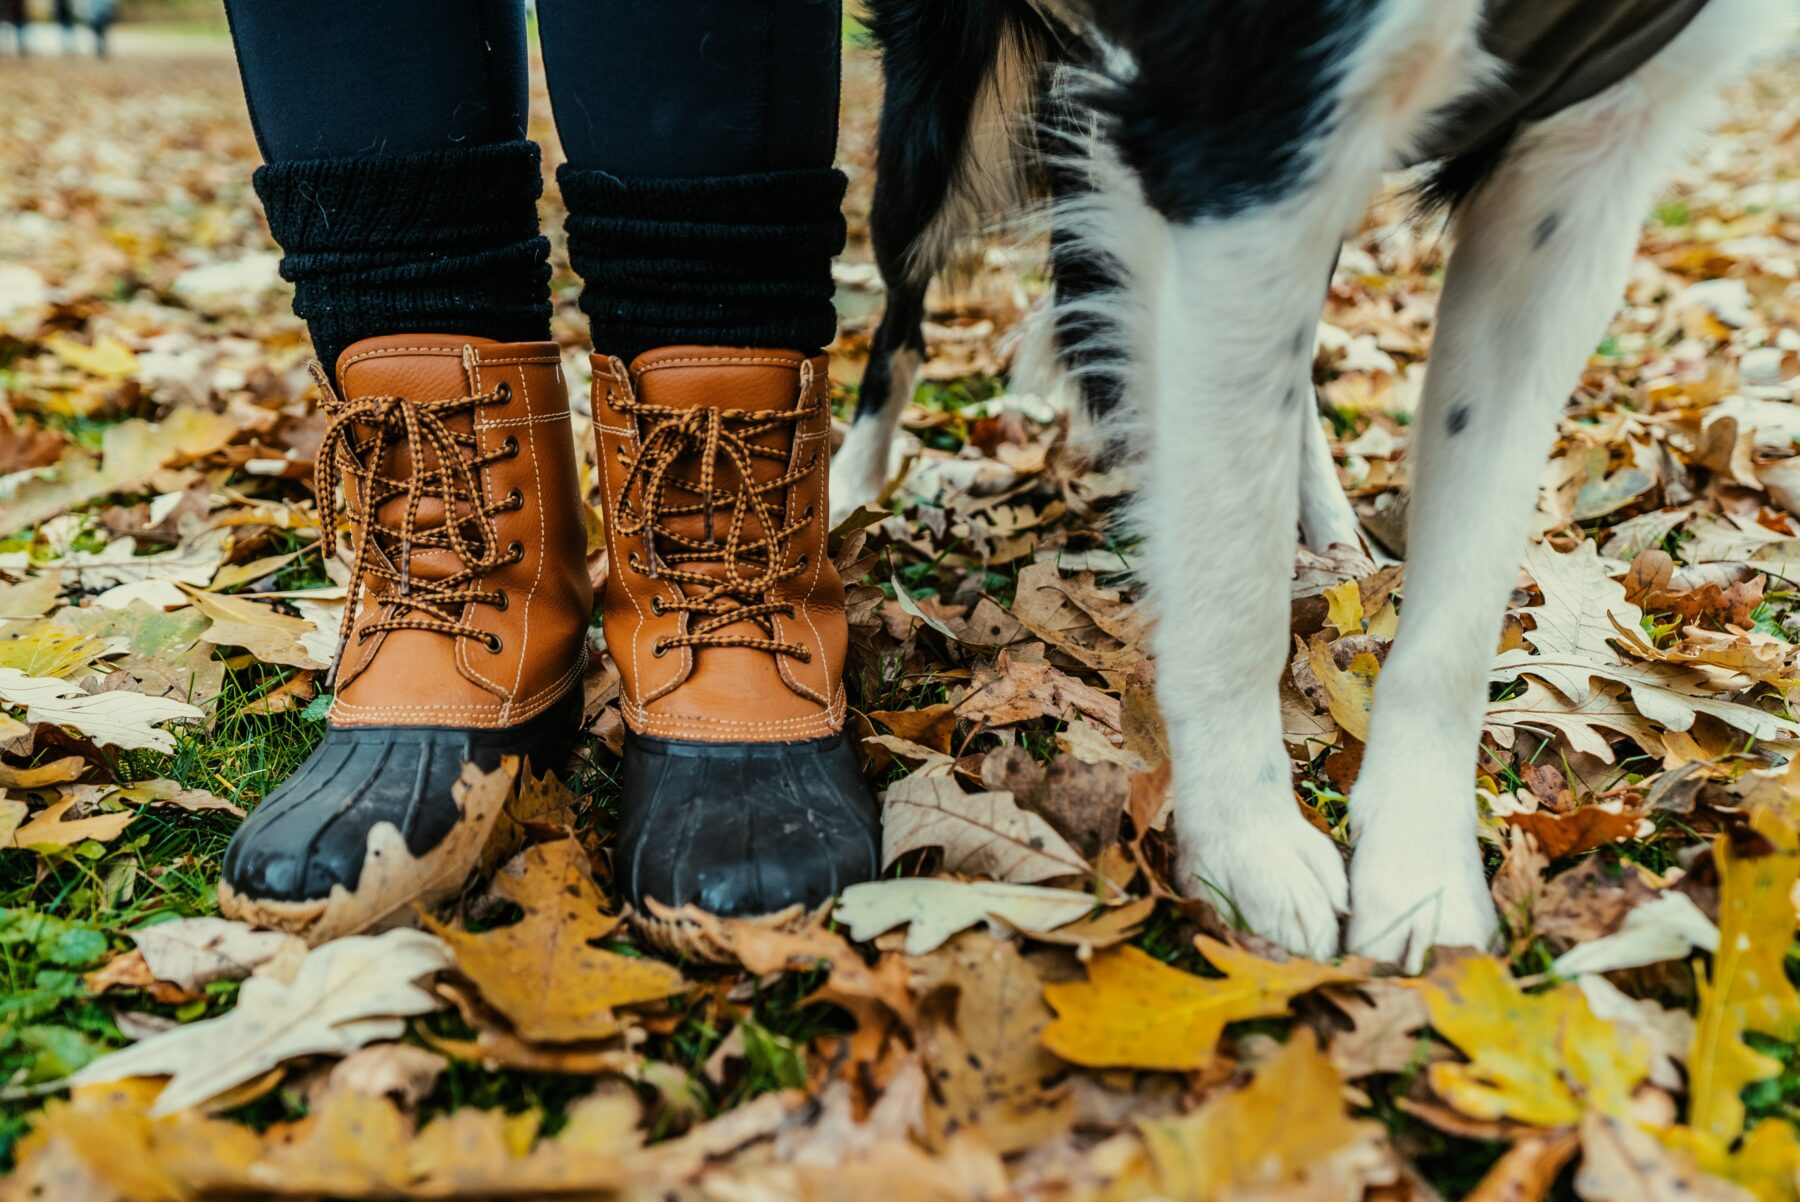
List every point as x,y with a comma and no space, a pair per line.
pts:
446,467
751,513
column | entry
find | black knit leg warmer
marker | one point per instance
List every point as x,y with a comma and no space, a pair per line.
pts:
732,260
438,241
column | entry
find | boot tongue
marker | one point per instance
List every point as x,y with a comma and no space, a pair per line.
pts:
424,369
732,381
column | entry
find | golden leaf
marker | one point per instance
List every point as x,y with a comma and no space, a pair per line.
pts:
543,972
1543,1059
1287,1128
51,830
1344,608
1134,1011
1349,692
1747,989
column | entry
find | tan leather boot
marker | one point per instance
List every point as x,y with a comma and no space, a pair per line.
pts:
725,616
471,605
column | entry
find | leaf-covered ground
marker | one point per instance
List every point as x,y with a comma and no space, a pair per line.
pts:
1022,1008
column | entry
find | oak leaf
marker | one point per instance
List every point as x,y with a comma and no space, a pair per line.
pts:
1747,989
544,972
113,719
346,994
1134,1011
1583,611
981,833
933,910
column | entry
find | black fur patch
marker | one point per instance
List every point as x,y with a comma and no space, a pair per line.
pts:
1228,95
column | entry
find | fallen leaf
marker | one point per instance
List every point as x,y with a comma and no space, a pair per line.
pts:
933,910
1747,990
1621,1162
1133,1011
348,993
982,833
116,719
981,1013
1284,1135
1542,1059
262,630
193,952
544,972
51,830
1667,927
1581,829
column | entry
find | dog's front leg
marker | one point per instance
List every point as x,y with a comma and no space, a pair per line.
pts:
1219,509
1542,253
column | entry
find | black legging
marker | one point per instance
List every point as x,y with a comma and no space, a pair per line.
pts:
699,136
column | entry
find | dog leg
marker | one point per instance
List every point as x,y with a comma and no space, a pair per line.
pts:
1543,249
1326,519
1256,144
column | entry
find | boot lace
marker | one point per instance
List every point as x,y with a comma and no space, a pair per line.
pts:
748,514
359,440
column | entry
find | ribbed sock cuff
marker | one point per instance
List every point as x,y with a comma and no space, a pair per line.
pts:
734,260
439,241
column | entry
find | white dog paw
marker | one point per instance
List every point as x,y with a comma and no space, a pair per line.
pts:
1283,879
1412,893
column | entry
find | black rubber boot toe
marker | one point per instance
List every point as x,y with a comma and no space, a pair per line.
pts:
744,829
312,832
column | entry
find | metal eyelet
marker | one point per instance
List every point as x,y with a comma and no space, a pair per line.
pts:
510,447
494,644
656,607
516,499
504,603
631,561
659,649
503,393
516,549
801,562
807,516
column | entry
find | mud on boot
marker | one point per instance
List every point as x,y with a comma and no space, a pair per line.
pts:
467,637
725,616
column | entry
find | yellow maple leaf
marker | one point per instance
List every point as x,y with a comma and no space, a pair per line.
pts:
1541,1058
1134,1011
1287,1128
543,971
1748,989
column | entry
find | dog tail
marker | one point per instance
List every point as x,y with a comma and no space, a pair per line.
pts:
956,151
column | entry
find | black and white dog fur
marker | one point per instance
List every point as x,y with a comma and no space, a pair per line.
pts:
1206,162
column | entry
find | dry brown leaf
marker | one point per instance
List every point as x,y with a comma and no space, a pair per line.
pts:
983,833
981,1013
544,972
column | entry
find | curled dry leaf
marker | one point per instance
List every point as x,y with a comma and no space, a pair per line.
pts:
193,952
